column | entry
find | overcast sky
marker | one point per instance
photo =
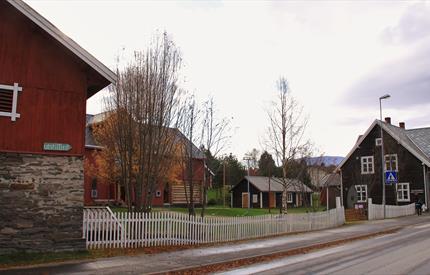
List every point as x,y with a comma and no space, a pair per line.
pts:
339,57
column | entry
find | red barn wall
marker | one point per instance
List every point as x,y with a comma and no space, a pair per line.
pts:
105,190
198,171
54,83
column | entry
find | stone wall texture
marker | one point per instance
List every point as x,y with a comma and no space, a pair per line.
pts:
41,203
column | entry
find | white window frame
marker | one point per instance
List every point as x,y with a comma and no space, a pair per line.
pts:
366,164
289,197
396,159
359,189
400,189
254,198
15,89
378,141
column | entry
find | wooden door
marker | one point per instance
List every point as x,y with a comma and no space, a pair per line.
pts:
272,200
245,200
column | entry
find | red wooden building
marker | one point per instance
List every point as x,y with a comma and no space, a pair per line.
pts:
45,80
100,192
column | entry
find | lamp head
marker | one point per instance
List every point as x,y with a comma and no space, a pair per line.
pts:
385,96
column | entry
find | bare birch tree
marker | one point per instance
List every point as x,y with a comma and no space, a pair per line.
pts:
285,136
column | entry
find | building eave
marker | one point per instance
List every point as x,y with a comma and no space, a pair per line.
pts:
64,39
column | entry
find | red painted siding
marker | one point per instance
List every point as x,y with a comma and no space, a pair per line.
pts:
54,81
108,191
105,190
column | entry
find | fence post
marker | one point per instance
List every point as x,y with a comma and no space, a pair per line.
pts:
338,203
369,209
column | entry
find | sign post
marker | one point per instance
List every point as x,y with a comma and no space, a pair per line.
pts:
390,177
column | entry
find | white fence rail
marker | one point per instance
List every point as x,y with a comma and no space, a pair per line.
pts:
103,229
376,211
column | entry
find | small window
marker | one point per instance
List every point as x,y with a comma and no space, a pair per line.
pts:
94,194
289,197
403,193
378,141
158,193
391,162
9,101
254,198
367,166
94,184
361,193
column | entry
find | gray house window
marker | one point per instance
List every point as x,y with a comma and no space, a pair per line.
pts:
367,166
391,162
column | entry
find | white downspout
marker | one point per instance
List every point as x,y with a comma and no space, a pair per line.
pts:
341,188
425,185
261,199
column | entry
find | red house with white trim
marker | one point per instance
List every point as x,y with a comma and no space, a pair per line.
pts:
100,192
45,80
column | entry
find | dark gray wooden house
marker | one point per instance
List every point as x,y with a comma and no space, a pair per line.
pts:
264,191
406,151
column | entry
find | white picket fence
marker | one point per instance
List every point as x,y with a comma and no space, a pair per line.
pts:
103,229
376,211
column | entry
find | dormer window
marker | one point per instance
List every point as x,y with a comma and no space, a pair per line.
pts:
9,100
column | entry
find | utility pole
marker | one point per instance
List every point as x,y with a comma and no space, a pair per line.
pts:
248,158
223,184
270,193
382,151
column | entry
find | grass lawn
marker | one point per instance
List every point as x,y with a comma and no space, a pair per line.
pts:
38,258
233,212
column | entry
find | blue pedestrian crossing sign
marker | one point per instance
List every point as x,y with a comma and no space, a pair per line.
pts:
390,177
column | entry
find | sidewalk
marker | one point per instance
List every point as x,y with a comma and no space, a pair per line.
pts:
168,261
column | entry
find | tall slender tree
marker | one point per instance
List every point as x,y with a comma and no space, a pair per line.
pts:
286,132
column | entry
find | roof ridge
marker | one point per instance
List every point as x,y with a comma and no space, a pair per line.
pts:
420,128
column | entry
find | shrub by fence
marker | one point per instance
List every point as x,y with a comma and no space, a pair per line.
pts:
376,211
104,229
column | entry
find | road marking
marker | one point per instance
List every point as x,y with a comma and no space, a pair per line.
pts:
255,268
423,226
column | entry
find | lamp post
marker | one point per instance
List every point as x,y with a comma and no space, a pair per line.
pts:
248,158
382,149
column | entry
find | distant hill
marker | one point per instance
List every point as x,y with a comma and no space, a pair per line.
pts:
327,160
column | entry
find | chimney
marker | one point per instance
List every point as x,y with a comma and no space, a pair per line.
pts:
402,125
388,120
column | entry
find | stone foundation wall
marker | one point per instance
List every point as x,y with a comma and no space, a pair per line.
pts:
41,203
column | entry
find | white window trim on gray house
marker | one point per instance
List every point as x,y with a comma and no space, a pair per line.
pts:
378,141
361,192
392,159
401,188
367,162
15,89
289,197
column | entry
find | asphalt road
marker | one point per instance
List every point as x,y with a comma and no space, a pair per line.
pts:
404,252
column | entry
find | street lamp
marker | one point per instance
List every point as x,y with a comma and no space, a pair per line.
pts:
248,158
382,149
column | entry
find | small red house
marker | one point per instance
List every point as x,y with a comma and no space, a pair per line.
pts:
99,192
45,80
